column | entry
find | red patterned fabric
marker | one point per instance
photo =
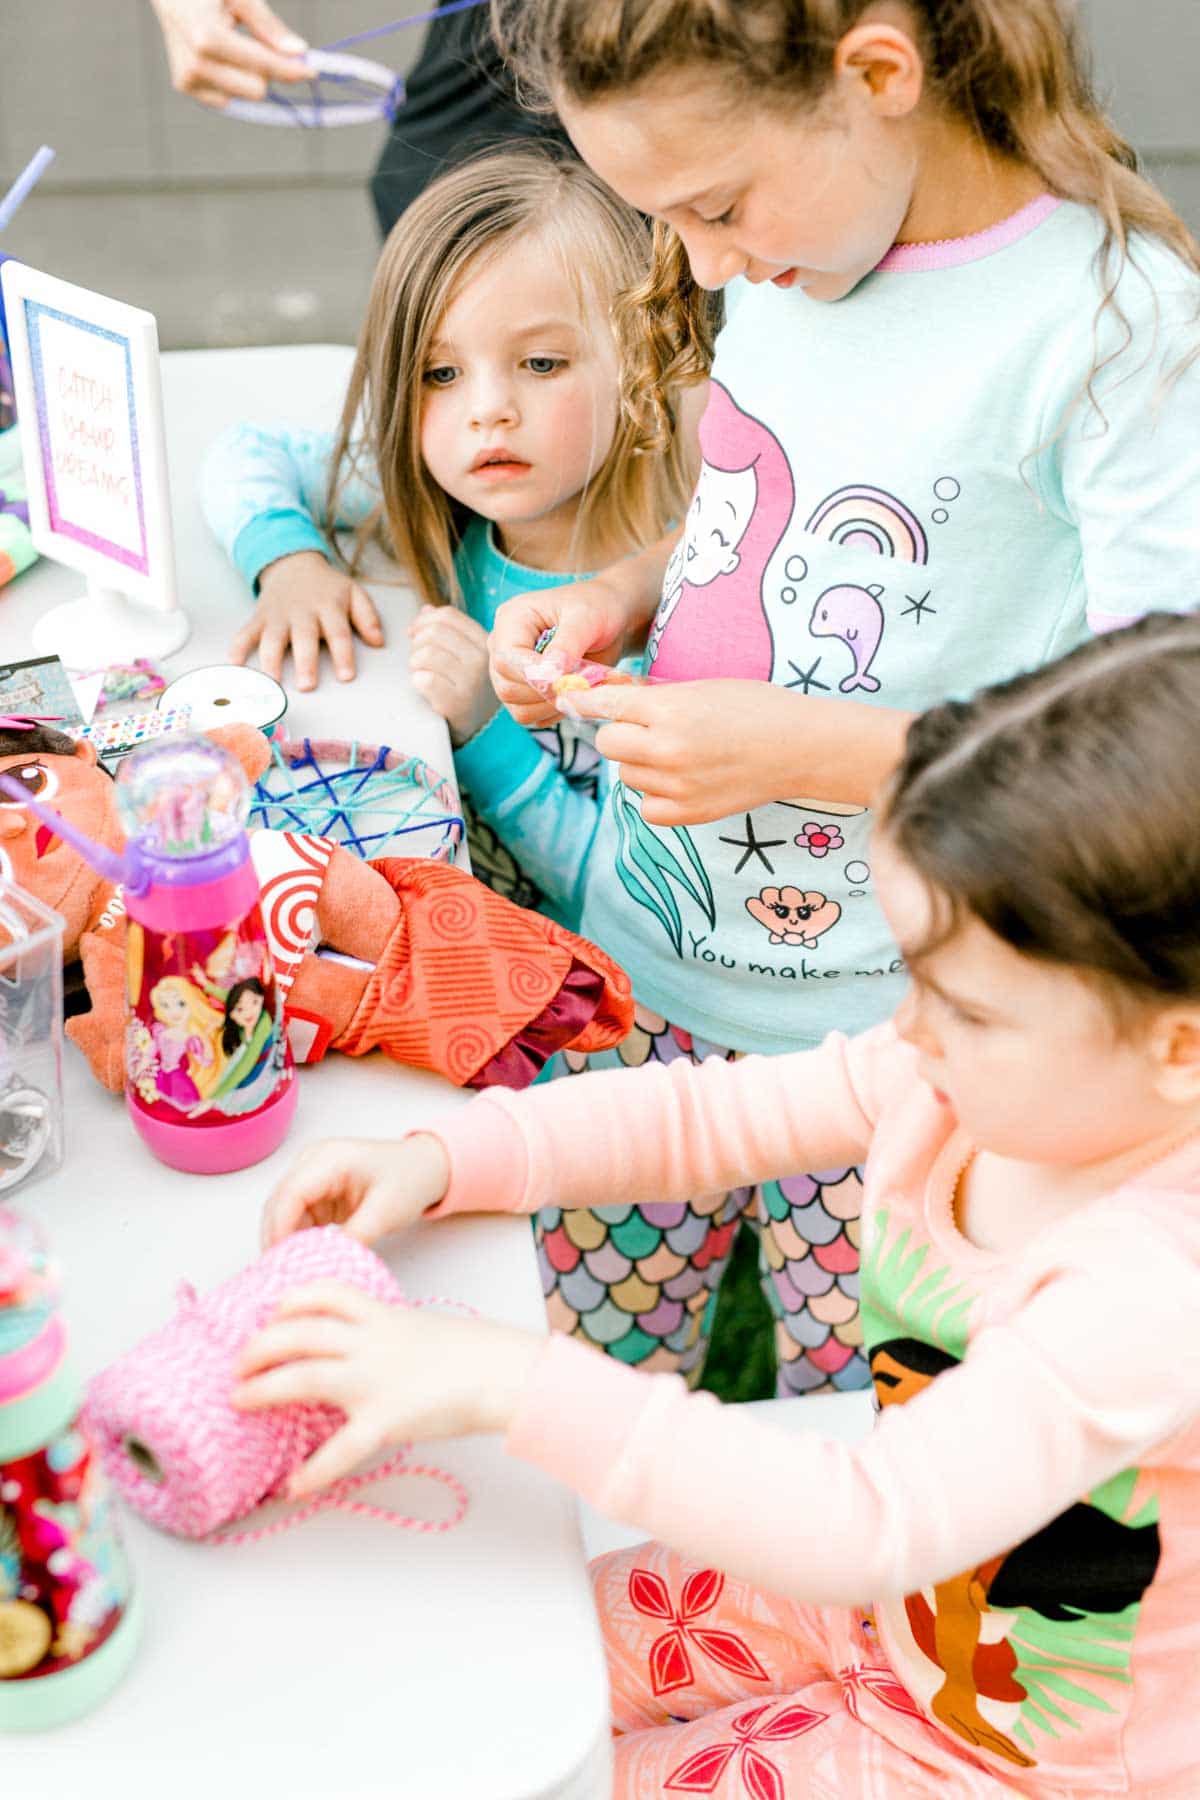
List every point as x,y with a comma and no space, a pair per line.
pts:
466,972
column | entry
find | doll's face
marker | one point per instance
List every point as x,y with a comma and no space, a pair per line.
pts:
169,1006
248,1009
32,854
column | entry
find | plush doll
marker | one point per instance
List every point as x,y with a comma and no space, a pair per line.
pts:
427,964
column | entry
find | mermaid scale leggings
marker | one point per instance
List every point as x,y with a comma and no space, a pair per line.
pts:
641,1281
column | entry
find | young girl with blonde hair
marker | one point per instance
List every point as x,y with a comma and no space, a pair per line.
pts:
954,428
483,444
187,1037
998,1592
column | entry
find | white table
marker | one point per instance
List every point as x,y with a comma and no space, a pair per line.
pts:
342,1659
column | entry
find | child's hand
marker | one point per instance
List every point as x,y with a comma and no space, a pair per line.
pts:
698,750
593,619
370,1187
396,1373
302,600
449,666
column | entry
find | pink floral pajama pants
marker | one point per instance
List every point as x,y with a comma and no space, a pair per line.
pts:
641,1282
718,1688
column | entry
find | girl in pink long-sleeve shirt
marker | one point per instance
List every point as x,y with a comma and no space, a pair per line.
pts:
999,1591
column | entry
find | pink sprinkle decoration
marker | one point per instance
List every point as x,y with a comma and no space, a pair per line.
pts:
174,1447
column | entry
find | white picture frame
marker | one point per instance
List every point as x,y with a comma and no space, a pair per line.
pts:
89,406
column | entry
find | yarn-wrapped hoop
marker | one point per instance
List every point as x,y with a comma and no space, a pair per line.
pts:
366,92
369,797
173,1445
360,92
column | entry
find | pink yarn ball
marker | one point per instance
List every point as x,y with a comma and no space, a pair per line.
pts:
172,1444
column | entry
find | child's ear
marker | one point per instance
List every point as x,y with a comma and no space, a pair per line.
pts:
1175,1047
888,61
86,753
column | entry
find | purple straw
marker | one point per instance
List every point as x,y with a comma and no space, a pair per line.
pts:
97,856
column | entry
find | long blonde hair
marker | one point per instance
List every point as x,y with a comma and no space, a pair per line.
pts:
204,1020
475,210
1014,70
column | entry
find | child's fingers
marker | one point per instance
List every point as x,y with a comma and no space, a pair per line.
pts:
448,654
624,743
292,1340
306,653
291,1384
657,811
341,1453
457,624
364,616
318,1189
626,701
335,1299
272,647
244,641
446,625
335,628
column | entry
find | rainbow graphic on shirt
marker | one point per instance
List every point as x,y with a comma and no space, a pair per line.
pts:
867,518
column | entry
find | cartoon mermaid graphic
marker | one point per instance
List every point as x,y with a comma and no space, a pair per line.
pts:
712,613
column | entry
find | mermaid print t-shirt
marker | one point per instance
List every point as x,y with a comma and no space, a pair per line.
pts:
903,495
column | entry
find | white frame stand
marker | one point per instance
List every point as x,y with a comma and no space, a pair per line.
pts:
105,626
129,606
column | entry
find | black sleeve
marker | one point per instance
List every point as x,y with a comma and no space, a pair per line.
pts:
460,99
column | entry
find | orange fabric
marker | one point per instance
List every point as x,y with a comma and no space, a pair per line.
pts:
464,971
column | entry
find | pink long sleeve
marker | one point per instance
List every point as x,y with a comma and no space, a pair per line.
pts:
665,1133
1084,1380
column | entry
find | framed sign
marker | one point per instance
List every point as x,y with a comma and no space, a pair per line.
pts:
89,402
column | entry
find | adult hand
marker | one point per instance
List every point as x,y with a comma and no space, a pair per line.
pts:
369,1186
302,600
213,61
396,1372
449,667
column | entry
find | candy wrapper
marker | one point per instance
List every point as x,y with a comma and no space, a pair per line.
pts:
124,682
556,678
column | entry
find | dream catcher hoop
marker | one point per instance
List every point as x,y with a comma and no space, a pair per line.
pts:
344,90
372,799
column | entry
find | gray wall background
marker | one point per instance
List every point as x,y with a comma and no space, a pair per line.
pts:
240,234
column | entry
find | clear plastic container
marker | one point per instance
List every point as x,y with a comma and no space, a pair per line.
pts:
31,1012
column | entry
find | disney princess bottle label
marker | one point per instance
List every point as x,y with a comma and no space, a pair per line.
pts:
64,1581
204,1040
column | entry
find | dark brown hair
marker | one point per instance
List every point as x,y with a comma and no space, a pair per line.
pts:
1014,70
39,740
1062,809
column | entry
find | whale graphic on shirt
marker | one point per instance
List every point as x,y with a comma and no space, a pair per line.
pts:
854,615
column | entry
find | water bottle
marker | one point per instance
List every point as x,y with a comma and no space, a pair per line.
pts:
69,1616
209,1081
